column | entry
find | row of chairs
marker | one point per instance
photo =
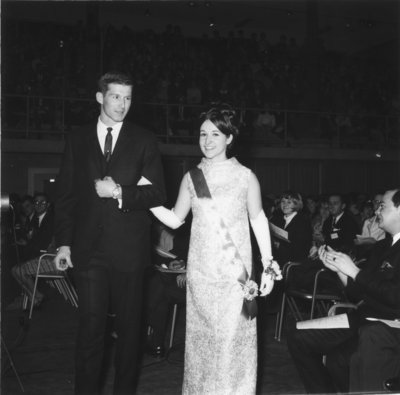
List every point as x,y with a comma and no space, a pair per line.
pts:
61,281
319,301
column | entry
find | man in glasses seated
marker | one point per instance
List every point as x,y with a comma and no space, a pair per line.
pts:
39,239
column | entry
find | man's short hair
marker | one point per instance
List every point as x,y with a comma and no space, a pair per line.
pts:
396,198
27,198
41,194
113,77
339,195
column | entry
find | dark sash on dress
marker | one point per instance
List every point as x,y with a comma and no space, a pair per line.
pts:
249,309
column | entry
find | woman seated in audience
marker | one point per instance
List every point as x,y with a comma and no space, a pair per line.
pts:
290,217
317,222
297,224
371,232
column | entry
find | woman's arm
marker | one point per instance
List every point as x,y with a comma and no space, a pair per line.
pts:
173,218
258,220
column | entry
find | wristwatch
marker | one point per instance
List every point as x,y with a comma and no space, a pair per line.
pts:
116,193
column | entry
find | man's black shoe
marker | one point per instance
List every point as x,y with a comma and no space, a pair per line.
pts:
392,385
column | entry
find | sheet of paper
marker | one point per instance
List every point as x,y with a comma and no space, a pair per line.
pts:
279,232
363,239
332,322
165,254
391,323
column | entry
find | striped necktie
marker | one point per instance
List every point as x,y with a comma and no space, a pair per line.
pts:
108,145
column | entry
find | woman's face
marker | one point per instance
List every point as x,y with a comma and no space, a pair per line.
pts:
324,210
213,143
311,205
287,206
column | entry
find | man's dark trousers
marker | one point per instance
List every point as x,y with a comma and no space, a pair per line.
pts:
95,283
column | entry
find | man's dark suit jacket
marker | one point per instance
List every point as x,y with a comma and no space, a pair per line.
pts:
378,282
300,236
89,223
41,238
345,230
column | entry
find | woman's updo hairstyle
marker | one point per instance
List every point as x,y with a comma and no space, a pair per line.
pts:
223,116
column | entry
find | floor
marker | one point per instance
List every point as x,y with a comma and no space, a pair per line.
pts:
42,351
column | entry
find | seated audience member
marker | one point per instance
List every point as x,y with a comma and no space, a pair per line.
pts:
39,240
340,228
363,354
26,219
292,219
354,209
311,206
371,232
317,223
165,289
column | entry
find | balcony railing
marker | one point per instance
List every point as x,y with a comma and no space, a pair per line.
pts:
51,118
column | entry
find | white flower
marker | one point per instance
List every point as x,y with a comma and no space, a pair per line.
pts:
250,289
273,270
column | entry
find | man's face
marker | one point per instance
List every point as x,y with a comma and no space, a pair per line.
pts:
41,205
27,208
377,201
388,216
115,103
336,205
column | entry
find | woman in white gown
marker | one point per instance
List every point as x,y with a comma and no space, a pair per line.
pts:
221,341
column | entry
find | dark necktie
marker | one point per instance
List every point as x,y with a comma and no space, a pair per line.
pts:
108,145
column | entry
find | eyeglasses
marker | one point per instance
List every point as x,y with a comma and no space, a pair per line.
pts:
40,203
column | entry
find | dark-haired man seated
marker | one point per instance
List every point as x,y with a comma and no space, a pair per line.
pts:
339,229
363,355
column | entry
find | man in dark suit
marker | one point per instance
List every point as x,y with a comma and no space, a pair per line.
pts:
103,227
366,352
340,228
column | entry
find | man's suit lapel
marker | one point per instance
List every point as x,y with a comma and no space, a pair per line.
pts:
391,250
123,138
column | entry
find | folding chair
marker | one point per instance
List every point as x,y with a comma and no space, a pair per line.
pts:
320,301
58,279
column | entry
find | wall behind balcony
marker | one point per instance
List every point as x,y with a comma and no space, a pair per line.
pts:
27,167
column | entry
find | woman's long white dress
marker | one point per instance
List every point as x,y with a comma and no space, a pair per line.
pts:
221,344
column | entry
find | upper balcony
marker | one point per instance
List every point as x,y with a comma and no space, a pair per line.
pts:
28,117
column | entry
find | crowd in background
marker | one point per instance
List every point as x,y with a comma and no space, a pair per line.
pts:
245,69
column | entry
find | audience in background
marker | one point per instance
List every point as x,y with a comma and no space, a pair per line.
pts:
361,355
39,239
292,219
340,228
25,221
317,222
371,232
164,289
49,59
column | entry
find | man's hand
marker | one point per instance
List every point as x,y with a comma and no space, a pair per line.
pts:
63,258
338,262
181,280
105,187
